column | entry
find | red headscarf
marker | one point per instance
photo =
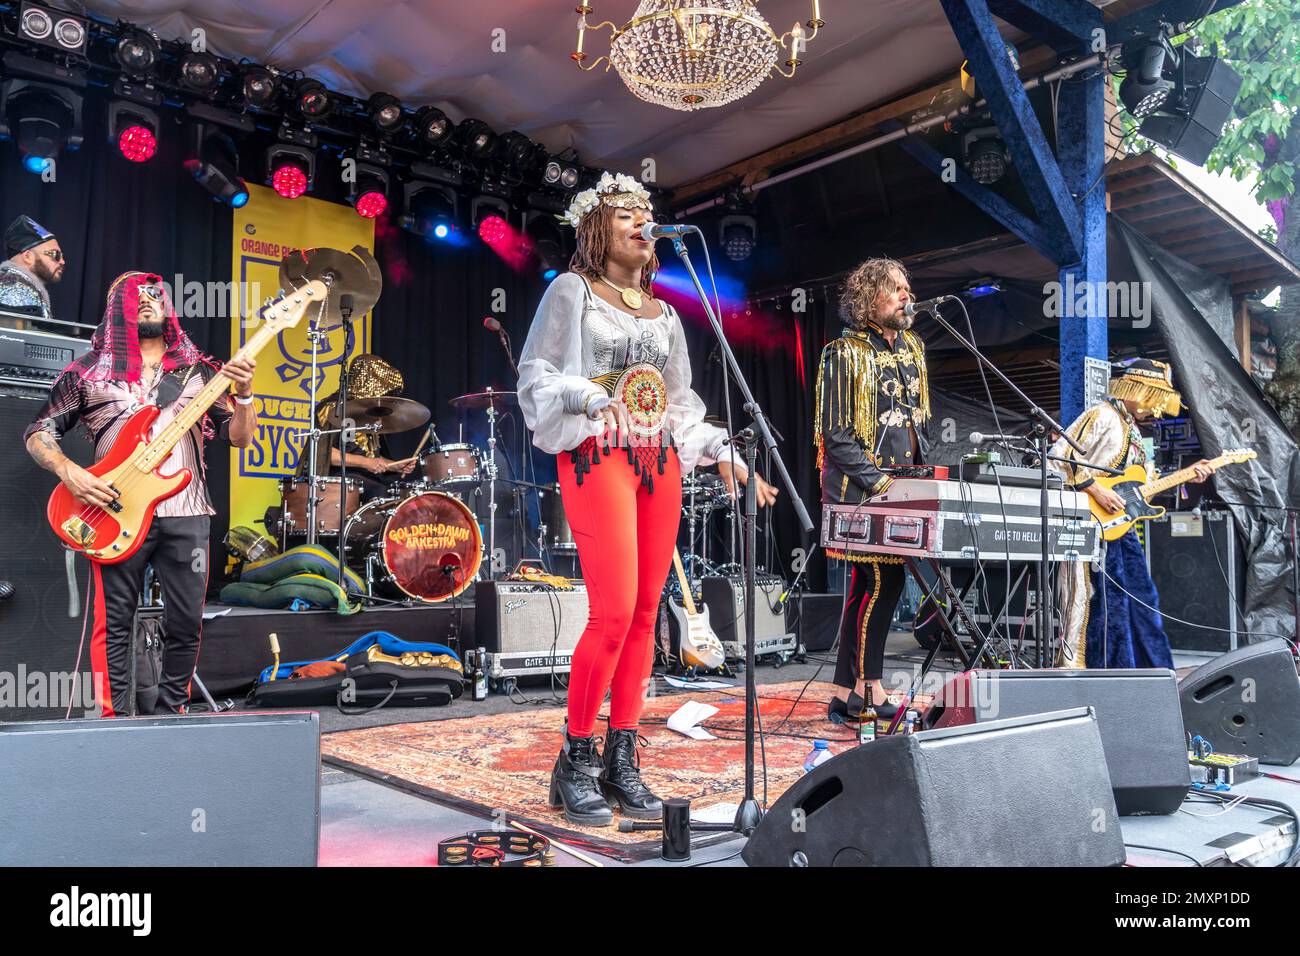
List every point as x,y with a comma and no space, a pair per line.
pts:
114,354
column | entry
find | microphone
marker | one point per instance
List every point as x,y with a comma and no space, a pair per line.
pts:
653,230
925,305
493,324
979,438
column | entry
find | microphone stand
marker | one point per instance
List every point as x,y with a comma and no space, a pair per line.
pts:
345,309
749,813
1044,424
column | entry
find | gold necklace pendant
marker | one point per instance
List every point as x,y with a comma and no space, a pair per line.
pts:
632,298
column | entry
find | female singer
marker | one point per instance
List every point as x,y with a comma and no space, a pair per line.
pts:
605,385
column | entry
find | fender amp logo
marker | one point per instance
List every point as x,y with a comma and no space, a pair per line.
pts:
515,605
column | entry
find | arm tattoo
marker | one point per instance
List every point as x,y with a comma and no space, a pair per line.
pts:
45,450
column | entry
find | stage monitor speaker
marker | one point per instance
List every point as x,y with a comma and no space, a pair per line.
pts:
1199,573
1025,791
725,599
212,790
42,619
1138,717
1211,87
528,629
816,620
1247,702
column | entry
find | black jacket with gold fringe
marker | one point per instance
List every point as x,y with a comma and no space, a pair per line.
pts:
870,398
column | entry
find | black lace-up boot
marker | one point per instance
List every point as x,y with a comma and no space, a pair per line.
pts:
575,783
622,777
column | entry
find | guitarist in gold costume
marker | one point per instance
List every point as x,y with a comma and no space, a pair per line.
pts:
1102,625
139,356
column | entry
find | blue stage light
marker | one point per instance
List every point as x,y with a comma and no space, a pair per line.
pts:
441,231
239,200
550,274
36,164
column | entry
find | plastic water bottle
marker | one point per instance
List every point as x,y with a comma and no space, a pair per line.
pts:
819,754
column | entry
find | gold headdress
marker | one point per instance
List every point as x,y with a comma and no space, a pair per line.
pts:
613,189
1149,383
369,376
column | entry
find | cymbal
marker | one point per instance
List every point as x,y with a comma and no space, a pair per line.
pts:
354,274
392,414
478,401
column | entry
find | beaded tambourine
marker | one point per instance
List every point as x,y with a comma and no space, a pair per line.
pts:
642,389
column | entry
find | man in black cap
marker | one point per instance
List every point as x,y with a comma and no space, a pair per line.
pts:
34,263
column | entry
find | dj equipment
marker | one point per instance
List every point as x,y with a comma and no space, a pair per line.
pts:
29,357
1199,572
1247,702
954,520
725,600
1025,791
1138,718
202,790
529,628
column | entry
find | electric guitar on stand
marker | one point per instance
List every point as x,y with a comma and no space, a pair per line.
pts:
700,647
132,465
1136,491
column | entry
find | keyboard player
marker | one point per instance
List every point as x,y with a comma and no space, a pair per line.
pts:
873,406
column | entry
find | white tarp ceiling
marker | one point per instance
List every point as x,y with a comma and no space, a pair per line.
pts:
440,52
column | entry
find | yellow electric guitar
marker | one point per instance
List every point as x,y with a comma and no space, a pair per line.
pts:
700,647
1136,491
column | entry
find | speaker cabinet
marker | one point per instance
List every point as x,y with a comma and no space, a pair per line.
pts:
528,629
817,620
1199,573
725,599
1138,717
41,622
1025,791
1247,702
1211,87
214,790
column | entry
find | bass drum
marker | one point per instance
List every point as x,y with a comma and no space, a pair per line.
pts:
430,543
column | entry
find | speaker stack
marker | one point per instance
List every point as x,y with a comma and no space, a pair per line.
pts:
1247,702
1199,573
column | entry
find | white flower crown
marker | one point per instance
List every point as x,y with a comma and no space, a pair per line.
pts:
627,192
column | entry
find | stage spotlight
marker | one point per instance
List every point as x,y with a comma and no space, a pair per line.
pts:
739,234
482,209
385,113
1144,89
290,168
524,157
200,72
311,100
369,194
547,239
41,118
985,155
556,173
134,130
981,287
477,139
138,52
53,28
261,87
430,210
215,166
431,127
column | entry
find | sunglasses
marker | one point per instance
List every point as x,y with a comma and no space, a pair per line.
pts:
55,254
152,290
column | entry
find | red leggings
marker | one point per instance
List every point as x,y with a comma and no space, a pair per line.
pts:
625,537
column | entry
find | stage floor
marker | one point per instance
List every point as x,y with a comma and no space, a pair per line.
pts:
367,823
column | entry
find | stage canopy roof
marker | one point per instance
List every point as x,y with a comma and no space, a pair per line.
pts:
440,52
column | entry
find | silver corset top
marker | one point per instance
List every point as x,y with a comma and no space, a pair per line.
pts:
612,340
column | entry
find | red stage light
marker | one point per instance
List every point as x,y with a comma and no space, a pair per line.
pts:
493,230
289,181
137,143
371,204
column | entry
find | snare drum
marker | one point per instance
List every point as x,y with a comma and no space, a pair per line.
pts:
452,465
293,503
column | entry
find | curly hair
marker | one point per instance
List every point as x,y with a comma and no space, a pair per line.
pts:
593,248
866,284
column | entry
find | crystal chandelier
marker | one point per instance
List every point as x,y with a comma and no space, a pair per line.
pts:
694,54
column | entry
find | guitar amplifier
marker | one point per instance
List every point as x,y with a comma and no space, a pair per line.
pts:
1199,572
528,628
29,357
725,599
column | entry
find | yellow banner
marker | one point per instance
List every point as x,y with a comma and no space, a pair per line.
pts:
265,230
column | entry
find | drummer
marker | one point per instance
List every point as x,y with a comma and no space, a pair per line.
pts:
369,377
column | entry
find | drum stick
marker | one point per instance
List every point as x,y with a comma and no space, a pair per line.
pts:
560,846
418,448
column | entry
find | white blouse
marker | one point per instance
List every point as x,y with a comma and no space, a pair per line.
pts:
575,336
